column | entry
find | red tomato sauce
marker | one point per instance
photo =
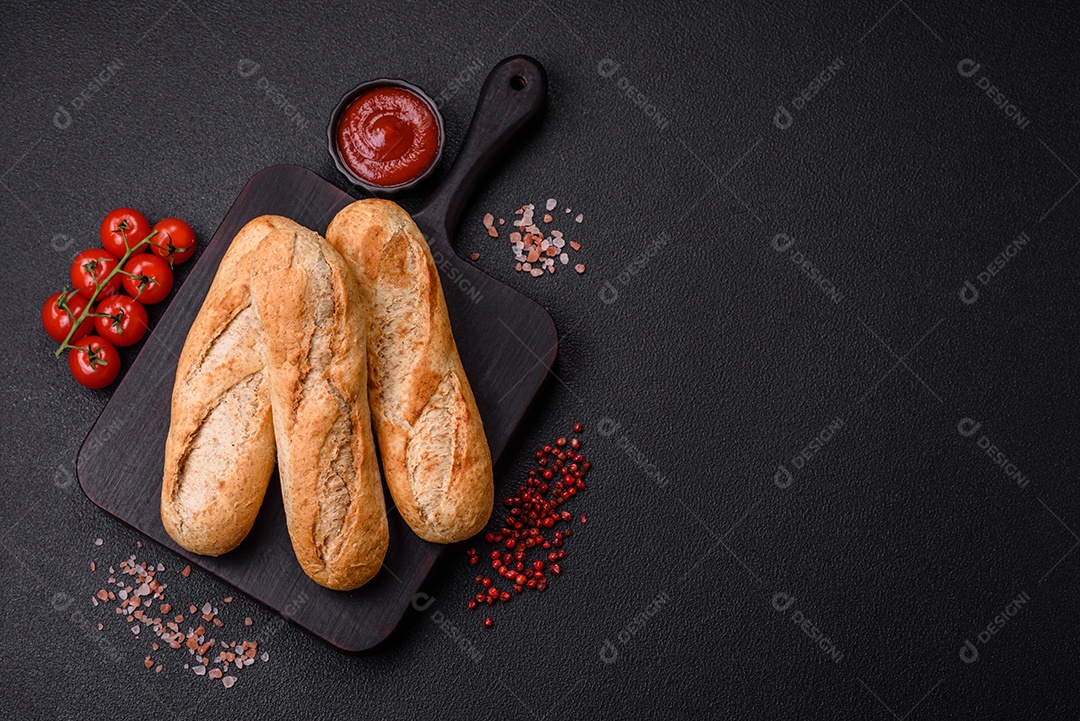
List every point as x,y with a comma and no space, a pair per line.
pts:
388,136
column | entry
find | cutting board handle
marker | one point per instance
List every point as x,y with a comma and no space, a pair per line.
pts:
513,94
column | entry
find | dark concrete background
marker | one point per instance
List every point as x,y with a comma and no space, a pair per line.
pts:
898,180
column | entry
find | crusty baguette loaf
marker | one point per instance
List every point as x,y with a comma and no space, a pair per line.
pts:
220,450
434,452
309,305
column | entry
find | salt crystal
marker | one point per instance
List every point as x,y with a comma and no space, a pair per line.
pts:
580,217
551,204
207,608
564,258
559,242
536,272
135,629
98,541
228,681
265,656
161,567
199,670
488,220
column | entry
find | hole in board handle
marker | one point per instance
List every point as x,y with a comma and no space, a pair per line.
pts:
517,82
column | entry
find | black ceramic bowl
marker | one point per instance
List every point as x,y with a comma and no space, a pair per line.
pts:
335,152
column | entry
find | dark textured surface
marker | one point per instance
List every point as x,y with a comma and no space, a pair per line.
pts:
899,181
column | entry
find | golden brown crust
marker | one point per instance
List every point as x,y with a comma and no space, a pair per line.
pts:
220,450
434,452
310,309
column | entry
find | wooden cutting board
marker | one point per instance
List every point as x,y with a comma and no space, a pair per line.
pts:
507,344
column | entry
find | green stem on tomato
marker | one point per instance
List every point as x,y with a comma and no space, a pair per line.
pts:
97,290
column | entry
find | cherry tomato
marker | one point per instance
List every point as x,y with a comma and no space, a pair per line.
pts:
90,268
94,362
122,229
126,321
153,278
175,240
59,314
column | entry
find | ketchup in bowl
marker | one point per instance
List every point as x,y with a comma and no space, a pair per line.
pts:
388,136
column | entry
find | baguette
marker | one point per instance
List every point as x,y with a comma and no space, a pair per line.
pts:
219,455
309,306
434,452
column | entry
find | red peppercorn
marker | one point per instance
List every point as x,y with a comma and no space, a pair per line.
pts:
488,623
489,537
520,580
504,596
538,565
492,591
531,583
578,428
561,442
480,597
473,560
472,604
485,581
556,569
